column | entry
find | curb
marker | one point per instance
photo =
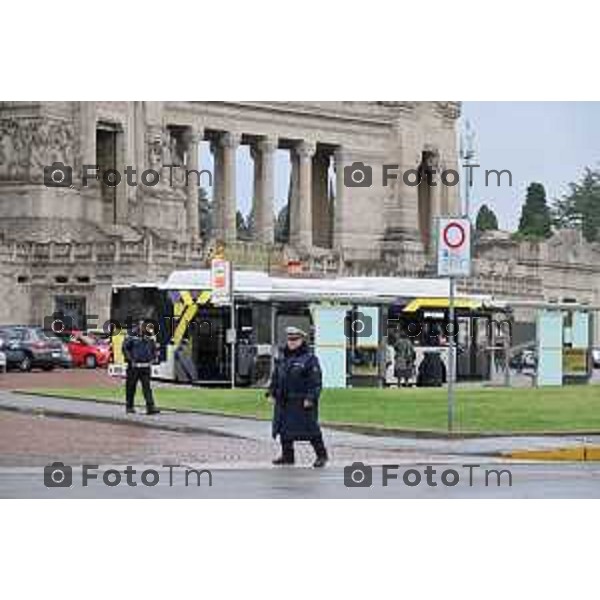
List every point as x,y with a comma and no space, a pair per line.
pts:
370,430
131,421
179,411
579,453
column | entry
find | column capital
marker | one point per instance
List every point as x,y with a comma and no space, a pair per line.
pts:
306,149
230,139
195,134
268,145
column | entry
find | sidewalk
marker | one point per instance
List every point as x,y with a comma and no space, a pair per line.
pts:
250,429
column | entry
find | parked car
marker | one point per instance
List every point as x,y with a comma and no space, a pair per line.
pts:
87,350
30,347
524,359
2,357
596,358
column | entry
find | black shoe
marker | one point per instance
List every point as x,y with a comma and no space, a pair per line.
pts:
130,411
152,411
283,460
320,462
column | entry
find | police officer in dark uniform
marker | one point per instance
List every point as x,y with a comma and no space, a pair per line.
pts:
140,353
295,389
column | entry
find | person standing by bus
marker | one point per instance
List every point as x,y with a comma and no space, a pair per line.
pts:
404,360
295,389
140,353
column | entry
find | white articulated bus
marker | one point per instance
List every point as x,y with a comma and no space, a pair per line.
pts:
349,320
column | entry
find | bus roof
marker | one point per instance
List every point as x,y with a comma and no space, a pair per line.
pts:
259,285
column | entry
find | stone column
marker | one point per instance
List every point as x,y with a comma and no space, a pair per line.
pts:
339,206
191,198
122,192
435,191
301,210
435,200
321,208
227,200
217,219
139,161
92,206
409,194
88,133
139,124
264,190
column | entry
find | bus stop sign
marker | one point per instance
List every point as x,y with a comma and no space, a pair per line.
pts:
454,247
220,281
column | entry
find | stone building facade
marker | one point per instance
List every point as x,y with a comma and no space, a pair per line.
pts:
63,247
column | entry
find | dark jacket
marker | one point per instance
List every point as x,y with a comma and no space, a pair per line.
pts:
296,377
431,371
139,350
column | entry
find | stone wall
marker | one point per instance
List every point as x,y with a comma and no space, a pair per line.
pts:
32,275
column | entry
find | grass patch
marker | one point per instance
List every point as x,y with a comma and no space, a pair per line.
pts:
478,410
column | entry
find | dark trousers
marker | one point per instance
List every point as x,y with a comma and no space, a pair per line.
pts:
134,375
287,447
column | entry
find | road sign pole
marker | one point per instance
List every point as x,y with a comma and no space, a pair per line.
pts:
451,357
454,260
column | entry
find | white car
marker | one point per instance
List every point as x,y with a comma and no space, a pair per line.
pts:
596,357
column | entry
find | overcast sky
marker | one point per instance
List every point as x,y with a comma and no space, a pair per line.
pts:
549,142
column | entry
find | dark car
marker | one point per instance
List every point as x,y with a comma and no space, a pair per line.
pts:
3,366
30,347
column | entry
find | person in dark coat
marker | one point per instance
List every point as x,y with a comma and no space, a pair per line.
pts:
431,370
140,353
295,389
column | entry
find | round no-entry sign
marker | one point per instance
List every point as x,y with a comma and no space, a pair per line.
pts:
454,247
454,235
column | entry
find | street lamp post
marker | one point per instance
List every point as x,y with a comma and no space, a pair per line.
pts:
467,154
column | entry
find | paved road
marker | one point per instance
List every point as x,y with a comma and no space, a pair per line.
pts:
528,481
238,452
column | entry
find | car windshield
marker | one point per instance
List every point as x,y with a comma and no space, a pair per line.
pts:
13,334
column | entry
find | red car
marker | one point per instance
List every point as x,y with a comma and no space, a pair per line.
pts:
87,350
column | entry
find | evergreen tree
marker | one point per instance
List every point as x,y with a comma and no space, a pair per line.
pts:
486,219
536,218
205,214
282,226
581,207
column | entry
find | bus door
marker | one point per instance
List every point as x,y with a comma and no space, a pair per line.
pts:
474,340
211,350
363,333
